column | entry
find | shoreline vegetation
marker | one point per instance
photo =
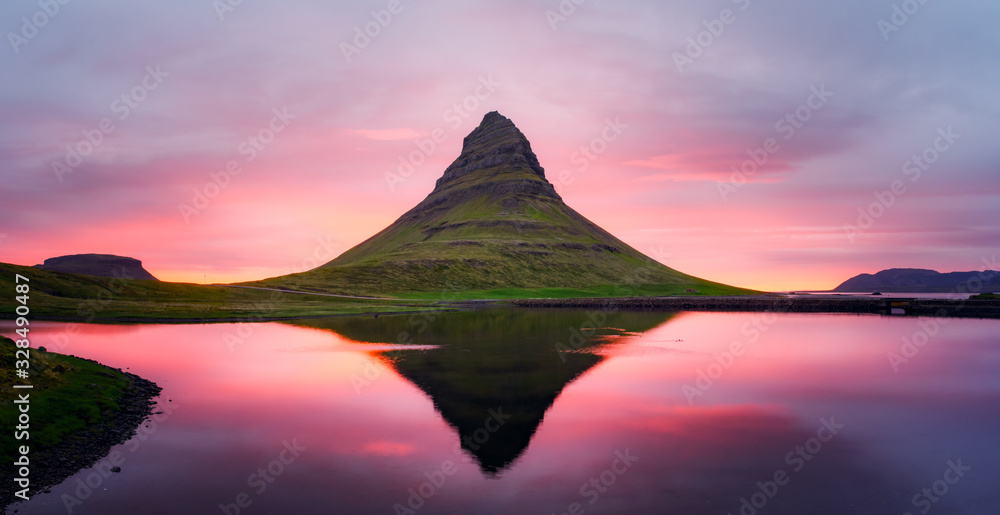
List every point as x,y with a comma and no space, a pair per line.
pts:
67,297
79,410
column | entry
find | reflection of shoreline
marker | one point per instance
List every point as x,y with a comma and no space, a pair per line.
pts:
868,304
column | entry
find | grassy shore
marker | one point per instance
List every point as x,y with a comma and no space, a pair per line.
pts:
605,291
68,394
78,409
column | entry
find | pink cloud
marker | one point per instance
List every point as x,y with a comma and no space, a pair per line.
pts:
388,134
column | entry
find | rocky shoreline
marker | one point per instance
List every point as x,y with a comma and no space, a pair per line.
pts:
81,450
970,308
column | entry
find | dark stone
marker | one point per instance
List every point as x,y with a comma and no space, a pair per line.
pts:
497,142
100,265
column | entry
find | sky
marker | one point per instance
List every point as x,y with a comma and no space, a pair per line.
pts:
771,144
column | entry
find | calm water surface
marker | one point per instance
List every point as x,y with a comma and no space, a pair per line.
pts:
500,412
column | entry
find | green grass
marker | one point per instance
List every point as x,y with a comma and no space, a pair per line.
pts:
986,296
60,296
68,394
500,269
644,290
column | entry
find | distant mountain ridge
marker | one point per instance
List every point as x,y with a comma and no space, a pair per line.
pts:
100,265
918,280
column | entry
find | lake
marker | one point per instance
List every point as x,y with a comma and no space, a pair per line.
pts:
536,412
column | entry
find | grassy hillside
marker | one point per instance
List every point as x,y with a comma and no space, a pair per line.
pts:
454,279
61,296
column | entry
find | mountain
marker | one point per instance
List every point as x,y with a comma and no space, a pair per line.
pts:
100,265
492,222
917,280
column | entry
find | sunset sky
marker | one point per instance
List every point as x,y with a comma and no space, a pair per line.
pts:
115,113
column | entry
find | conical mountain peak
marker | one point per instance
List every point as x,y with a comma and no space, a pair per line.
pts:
493,221
494,129
496,144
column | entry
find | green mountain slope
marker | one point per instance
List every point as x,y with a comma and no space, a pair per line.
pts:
495,225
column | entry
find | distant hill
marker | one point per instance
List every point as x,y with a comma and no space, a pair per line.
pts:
100,265
494,222
917,280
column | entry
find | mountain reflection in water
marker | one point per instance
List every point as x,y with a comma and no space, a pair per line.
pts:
494,373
